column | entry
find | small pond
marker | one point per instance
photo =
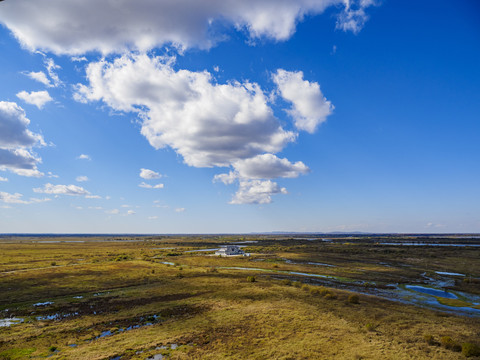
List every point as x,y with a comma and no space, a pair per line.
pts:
10,321
430,291
448,273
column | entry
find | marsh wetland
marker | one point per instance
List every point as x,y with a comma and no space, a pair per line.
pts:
294,297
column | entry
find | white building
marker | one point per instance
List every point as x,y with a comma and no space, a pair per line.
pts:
230,250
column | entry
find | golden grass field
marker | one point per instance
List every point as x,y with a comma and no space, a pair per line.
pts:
118,300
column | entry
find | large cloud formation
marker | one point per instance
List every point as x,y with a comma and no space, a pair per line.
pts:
16,141
229,125
77,27
208,124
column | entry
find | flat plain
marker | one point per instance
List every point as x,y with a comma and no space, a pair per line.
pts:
294,297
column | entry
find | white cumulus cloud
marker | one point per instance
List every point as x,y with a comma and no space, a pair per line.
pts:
71,27
72,190
149,174
18,159
16,141
257,192
37,98
259,168
3,179
84,157
208,124
268,166
309,107
251,174
14,131
227,179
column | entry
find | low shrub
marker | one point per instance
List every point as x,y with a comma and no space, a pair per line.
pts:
330,296
448,343
251,278
53,263
287,282
470,349
305,287
323,291
429,339
370,327
297,284
314,291
52,348
121,257
353,299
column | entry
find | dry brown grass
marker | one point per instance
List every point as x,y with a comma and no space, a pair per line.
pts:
211,314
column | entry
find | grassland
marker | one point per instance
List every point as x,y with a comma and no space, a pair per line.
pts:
133,298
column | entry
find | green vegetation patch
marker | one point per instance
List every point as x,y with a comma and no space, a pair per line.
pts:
16,353
453,302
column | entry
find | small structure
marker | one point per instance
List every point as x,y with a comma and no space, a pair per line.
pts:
230,250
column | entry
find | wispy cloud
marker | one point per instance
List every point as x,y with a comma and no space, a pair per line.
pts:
78,58
148,186
40,77
52,71
93,197
72,190
11,198
17,199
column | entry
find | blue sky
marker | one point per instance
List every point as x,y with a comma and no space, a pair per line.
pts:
253,116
